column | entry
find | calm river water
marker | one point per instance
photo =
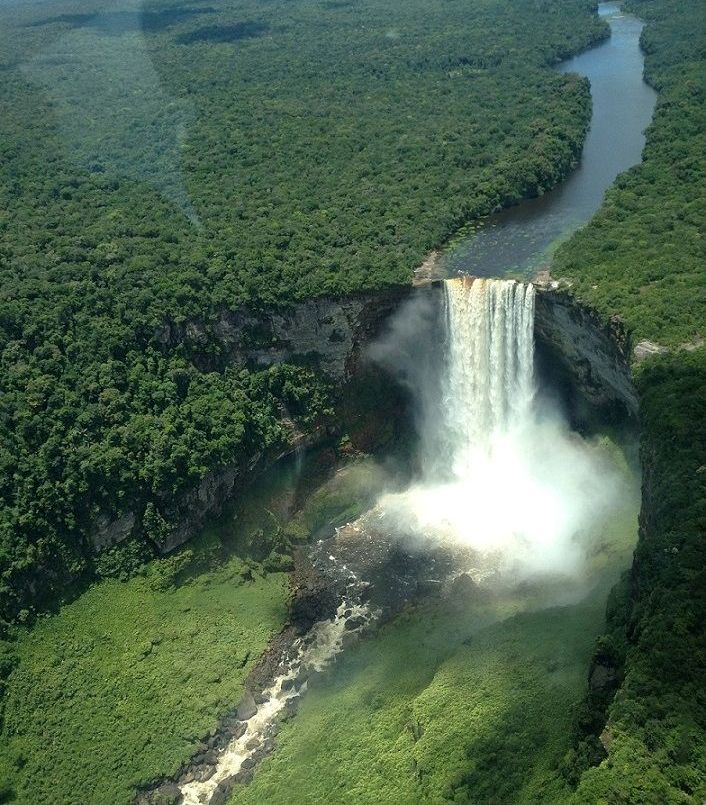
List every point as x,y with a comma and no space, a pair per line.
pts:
520,239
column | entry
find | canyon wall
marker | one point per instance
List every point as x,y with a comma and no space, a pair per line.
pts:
586,358
326,334
583,356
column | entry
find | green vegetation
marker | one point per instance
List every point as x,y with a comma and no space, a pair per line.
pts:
435,707
470,695
159,164
642,257
656,732
120,687
185,160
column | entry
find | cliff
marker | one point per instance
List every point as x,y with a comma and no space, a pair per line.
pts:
586,357
578,353
327,334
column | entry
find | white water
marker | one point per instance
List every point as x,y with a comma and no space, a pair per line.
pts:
489,381
501,478
313,653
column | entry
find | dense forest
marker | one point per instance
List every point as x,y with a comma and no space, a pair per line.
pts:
160,164
187,159
642,257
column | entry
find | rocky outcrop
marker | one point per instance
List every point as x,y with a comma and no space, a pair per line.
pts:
109,530
328,333
646,349
585,356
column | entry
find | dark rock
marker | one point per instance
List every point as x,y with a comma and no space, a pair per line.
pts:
312,603
235,728
288,684
247,707
248,763
463,587
205,773
243,776
314,680
355,622
365,592
429,587
167,794
222,793
602,676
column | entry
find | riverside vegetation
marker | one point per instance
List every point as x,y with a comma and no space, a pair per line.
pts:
652,749
642,257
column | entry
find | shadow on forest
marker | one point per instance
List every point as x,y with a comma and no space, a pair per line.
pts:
120,22
224,33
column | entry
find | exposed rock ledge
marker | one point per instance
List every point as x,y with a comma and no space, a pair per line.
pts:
578,350
586,355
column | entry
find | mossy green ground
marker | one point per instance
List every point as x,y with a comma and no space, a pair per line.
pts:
467,701
121,685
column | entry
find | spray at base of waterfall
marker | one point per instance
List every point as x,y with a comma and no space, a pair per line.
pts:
499,476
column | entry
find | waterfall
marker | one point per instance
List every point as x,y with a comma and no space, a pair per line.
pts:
487,381
502,476
490,377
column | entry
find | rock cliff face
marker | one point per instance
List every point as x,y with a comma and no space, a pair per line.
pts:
328,334
585,356
577,351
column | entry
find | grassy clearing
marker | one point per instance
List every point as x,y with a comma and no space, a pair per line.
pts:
119,687
455,700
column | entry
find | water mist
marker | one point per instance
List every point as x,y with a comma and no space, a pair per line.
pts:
501,475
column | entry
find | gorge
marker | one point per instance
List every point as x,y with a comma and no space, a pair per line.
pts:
504,498
311,534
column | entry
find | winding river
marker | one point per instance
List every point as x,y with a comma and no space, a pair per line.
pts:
520,240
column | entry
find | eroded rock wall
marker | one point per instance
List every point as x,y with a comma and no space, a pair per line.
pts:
586,357
327,333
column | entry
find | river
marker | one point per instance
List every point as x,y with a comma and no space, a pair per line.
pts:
520,240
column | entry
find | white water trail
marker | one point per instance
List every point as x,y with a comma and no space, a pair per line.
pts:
510,483
312,653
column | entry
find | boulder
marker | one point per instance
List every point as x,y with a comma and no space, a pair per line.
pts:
168,794
247,707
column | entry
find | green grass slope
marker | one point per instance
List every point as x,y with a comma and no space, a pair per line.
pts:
121,685
439,706
461,699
